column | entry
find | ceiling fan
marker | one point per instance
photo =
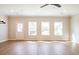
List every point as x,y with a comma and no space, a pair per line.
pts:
57,5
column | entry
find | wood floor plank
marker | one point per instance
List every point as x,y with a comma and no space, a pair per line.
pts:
38,48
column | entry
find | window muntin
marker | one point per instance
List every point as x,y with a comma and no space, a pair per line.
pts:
32,27
45,28
58,28
19,27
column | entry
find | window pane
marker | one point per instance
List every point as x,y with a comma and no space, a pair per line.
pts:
19,27
45,28
32,28
58,28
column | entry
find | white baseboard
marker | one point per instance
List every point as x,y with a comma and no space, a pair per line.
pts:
3,40
75,42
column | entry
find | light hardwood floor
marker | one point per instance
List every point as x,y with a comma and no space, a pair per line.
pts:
38,48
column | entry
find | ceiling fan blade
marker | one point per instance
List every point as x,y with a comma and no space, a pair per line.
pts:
57,5
43,5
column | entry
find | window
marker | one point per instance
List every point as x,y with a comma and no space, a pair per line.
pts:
19,27
58,28
45,28
32,28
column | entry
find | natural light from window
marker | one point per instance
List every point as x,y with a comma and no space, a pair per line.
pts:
19,27
58,28
32,27
45,28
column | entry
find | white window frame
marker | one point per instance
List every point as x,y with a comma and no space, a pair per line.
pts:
57,31
31,29
19,27
44,26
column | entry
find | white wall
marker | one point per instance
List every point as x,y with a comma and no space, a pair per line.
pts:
3,29
75,28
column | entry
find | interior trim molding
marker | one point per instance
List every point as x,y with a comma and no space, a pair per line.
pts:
3,40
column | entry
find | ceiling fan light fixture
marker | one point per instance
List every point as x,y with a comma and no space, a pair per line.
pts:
57,5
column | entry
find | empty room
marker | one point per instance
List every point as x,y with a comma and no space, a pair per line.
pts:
39,29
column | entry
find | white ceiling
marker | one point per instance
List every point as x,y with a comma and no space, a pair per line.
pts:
35,10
